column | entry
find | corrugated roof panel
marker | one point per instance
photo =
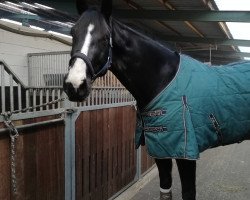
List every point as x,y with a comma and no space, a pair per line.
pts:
210,29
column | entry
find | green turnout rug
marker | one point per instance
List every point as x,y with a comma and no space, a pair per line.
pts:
203,107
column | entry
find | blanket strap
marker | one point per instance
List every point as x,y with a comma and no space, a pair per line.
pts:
217,129
154,113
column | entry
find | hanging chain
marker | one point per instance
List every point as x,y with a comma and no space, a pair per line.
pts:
13,133
34,107
13,162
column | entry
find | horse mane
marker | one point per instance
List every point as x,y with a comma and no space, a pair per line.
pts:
139,34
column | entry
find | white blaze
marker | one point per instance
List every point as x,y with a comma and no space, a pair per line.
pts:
77,73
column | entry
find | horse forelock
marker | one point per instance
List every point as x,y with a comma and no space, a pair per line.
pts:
86,34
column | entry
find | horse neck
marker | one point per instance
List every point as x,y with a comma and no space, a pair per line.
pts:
142,65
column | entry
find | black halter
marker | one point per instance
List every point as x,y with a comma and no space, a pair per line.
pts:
104,69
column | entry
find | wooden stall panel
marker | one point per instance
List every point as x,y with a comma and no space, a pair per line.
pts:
39,163
146,161
105,153
4,168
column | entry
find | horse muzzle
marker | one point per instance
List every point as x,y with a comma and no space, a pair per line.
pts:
76,94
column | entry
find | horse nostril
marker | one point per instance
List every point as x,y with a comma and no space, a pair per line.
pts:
67,87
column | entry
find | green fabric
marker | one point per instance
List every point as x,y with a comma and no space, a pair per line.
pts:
197,98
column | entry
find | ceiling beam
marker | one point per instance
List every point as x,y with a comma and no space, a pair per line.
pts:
185,15
212,41
221,54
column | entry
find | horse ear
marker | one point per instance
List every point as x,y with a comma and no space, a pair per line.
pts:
106,8
81,6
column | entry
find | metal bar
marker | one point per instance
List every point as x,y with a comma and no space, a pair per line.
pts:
100,107
33,125
46,87
58,96
47,99
223,54
92,97
138,163
29,71
27,92
213,41
49,53
11,92
53,98
9,71
185,15
69,153
99,97
41,99
37,71
34,98
29,115
19,91
2,88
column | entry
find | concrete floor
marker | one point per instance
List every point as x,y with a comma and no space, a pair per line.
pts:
223,173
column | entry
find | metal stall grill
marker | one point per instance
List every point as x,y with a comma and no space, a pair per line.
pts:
47,69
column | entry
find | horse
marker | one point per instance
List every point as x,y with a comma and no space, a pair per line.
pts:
144,66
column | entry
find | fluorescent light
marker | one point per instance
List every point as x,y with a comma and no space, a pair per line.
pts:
13,4
59,34
11,21
16,9
37,28
29,5
43,6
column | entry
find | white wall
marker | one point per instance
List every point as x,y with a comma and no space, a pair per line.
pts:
15,47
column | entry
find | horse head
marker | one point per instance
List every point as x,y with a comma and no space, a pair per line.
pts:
91,53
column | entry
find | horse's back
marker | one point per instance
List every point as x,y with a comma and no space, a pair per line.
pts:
202,107
225,101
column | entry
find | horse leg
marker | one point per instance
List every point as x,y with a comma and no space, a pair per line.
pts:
187,171
165,174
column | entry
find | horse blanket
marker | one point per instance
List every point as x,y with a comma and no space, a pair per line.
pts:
203,107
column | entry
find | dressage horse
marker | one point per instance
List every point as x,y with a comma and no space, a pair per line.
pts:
144,66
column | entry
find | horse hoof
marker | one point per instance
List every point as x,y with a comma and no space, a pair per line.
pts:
166,196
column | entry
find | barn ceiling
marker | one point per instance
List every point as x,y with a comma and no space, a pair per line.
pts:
193,27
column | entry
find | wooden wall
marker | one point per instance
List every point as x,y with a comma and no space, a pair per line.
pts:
105,152
105,157
39,164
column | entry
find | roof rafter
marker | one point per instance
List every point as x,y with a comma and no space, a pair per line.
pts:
185,15
213,41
